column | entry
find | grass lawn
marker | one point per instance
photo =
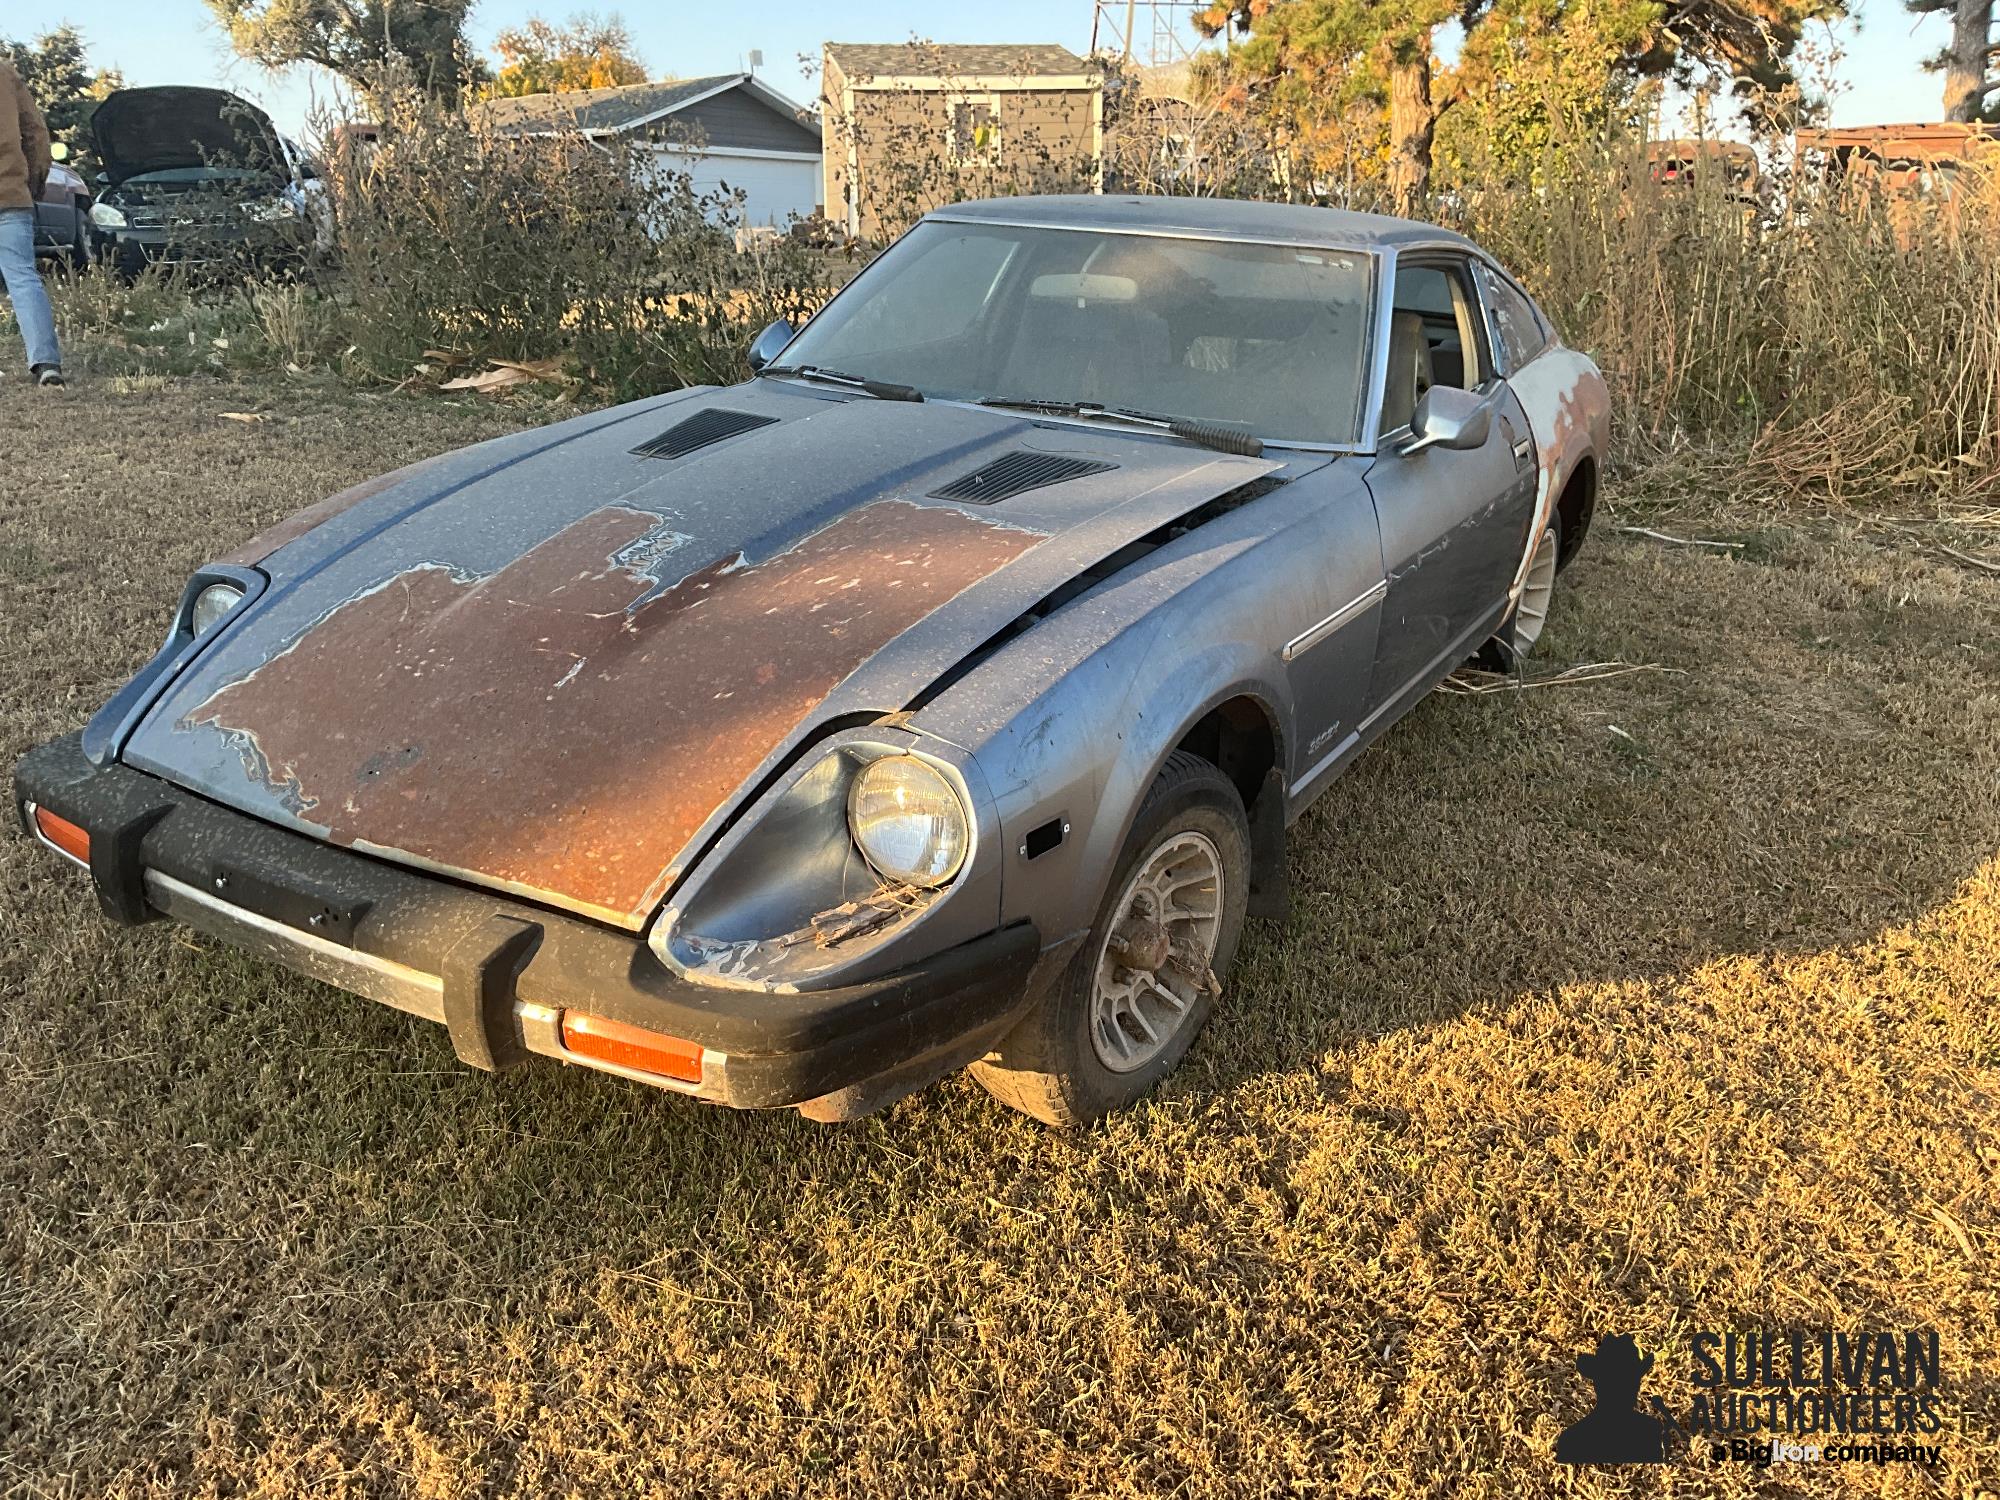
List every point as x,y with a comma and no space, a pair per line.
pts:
1655,1004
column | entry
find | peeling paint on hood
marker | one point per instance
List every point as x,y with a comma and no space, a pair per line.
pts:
551,666
566,724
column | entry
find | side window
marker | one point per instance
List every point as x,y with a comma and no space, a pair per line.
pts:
1436,336
1520,332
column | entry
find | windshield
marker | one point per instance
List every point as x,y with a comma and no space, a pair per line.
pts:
1267,336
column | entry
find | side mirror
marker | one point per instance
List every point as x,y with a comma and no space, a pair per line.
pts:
58,151
764,348
1448,417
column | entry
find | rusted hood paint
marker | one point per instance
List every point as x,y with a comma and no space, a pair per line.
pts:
554,667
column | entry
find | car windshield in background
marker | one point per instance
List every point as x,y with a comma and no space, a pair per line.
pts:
1270,337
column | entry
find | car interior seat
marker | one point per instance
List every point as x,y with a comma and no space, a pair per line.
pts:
1409,369
1074,351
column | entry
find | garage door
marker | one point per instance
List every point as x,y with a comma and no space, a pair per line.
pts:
774,187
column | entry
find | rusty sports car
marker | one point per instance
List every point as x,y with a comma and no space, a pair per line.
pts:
940,696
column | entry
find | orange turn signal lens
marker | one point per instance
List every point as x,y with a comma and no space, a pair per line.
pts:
64,835
631,1046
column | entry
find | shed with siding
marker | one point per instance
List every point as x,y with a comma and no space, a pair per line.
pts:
907,127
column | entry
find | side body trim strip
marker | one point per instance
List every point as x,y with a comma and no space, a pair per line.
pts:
1306,639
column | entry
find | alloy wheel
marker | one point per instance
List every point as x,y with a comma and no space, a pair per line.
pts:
1531,615
1155,961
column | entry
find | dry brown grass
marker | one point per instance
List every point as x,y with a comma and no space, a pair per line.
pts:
1651,1004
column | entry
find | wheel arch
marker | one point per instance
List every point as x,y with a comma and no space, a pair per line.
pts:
1575,504
1240,736
1089,777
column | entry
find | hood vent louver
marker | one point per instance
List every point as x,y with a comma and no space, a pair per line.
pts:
699,430
1015,474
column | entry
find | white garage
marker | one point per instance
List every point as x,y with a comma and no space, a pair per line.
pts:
775,184
728,129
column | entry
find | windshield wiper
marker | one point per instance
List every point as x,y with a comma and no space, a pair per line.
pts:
1217,435
881,390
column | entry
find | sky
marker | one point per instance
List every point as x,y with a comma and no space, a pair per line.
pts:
1878,77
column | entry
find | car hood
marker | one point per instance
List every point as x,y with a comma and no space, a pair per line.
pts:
556,665
159,129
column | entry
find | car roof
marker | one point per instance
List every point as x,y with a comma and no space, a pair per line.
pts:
1216,218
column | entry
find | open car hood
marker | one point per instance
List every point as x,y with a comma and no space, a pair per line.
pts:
556,666
159,129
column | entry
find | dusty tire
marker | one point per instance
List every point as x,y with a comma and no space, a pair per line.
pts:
1523,630
1054,1064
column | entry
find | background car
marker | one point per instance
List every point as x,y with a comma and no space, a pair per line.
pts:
198,177
62,213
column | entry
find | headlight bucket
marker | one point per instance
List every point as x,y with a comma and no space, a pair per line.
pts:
907,821
786,897
105,735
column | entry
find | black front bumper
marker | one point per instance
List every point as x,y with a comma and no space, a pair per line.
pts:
130,251
494,970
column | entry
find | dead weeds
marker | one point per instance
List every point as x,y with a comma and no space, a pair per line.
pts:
1662,1003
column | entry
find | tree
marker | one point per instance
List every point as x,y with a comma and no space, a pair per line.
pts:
1301,53
585,52
1538,74
1387,48
65,86
1749,41
1969,64
374,44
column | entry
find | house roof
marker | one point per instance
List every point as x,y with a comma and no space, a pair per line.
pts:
623,108
931,59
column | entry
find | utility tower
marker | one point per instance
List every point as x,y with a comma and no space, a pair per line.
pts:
1148,33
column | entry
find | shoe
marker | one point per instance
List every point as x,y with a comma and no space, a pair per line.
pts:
48,375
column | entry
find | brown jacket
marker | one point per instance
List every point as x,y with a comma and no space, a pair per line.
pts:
24,143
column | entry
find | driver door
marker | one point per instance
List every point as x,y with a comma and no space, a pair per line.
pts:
1454,522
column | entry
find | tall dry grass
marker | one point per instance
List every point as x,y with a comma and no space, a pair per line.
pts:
1822,337
452,237
1827,342
1833,338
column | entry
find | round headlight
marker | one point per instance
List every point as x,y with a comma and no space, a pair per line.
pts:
907,820
211,605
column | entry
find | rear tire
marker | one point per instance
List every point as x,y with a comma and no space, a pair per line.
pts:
1525,626
1109,1030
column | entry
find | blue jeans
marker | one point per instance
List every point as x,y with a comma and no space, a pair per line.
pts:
24,287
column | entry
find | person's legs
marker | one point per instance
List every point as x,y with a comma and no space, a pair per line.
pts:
25,289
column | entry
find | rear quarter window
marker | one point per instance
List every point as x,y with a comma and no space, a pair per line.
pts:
1518,325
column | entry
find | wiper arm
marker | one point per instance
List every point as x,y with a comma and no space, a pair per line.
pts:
1035,403
881,390
1217,435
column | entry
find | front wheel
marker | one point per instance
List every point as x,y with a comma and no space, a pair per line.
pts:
1523,630
1139,989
